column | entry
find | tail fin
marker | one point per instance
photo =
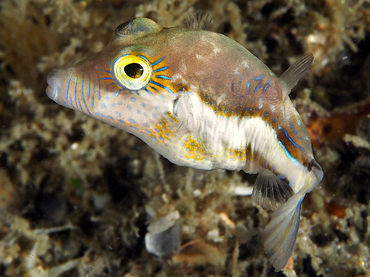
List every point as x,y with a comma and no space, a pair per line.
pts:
281,233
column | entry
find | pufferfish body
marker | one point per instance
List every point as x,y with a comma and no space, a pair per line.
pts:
202,100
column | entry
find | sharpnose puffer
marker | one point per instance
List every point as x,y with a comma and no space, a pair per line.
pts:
202,100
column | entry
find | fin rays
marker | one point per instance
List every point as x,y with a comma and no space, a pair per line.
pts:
295,72
281,233
270,191
198,20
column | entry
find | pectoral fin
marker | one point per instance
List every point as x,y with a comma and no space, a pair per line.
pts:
281,233
270,191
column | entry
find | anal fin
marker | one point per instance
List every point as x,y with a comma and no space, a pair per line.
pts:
270,191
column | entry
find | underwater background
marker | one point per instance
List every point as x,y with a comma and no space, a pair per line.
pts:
77,195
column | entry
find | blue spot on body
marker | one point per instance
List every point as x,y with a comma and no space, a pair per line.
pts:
119,103
103,106
135,128
161,69
107,86
75,92
99,89
143,58
117,93
290,139
70,102
106,71
264,89
143,105
88,90
162,86
288,154
133,99
118,114
131,121
292,128
104,115
148,91
163,77
257,87
157,62
128,107
157,130
153,88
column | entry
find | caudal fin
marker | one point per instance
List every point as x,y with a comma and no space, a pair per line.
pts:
280,234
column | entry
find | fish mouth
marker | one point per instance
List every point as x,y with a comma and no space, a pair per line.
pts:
51,89
51,93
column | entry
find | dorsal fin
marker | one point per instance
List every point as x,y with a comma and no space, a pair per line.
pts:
198,20
270,191
295,72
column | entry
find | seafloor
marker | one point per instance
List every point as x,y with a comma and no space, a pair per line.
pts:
77,195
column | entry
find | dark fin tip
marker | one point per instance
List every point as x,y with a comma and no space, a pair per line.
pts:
270,191
124,28
198,20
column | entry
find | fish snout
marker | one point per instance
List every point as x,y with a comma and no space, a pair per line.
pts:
316,169
52,88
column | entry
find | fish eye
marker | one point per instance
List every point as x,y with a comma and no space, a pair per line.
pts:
134,70
131,71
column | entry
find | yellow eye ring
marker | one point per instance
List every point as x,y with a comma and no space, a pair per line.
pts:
131,71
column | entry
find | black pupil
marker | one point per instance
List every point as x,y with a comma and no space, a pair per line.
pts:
134,70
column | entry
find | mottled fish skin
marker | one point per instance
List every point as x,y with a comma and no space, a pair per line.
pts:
201,100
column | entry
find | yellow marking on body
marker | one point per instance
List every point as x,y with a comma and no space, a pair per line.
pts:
194,150
172,117
164,131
